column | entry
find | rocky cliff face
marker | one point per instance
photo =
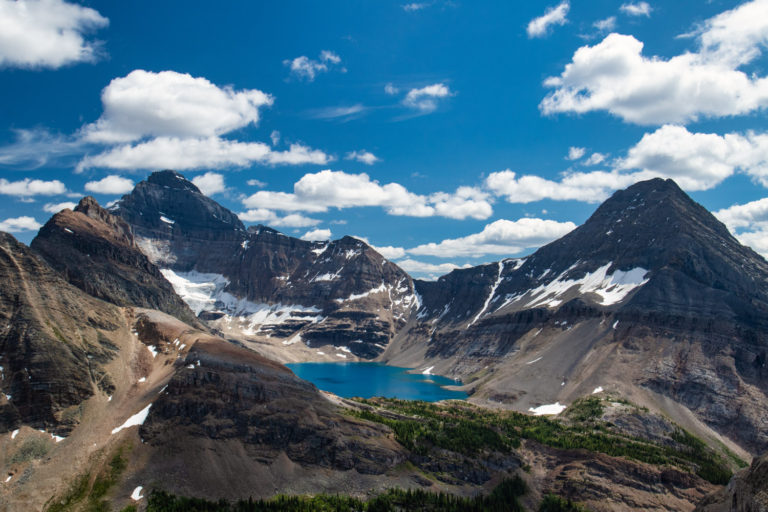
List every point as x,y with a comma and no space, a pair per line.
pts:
96,252
746,492
261,285
54,343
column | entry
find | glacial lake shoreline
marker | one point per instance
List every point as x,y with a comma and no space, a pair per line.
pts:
367,380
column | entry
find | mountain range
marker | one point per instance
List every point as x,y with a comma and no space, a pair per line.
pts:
166,312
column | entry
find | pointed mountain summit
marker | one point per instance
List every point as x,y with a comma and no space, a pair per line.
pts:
259,285
176,224
651,294
648,247
96,251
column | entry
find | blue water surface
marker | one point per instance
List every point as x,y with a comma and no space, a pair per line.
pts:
367,380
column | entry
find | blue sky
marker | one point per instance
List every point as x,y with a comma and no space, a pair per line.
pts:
446,133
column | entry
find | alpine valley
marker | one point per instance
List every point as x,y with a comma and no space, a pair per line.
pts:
142,352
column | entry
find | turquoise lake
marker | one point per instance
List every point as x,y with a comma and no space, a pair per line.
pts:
367,380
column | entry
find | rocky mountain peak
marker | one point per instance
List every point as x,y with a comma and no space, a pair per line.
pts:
172,179
655,206
167,203
96,251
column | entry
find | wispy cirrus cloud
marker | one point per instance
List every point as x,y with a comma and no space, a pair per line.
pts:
304,68
362,156
426,99
540,26
636,9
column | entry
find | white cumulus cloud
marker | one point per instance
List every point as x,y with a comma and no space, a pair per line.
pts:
425,270
205,153
170,104
501,237
268,217
749,223
317,192
57,207
744,215
615,76
696,161
29,187
538,27
210,183
317,235
47,33
110,185
19,224
591,187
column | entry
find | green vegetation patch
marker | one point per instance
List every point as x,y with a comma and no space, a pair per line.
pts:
468,429
586,409
87,492
503,498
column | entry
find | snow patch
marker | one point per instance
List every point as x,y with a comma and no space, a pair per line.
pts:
136,494
428,371
611,288
490,295
205,292
152,350
143,379
341,355
8,479
320,250
167,220
598,389
548,409
615,324
537,359
69,231
381,288
56,438
136,419
14,434
295,339
326,276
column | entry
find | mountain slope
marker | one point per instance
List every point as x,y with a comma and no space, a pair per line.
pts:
746,492
96,252
652,295
323,300
54,343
